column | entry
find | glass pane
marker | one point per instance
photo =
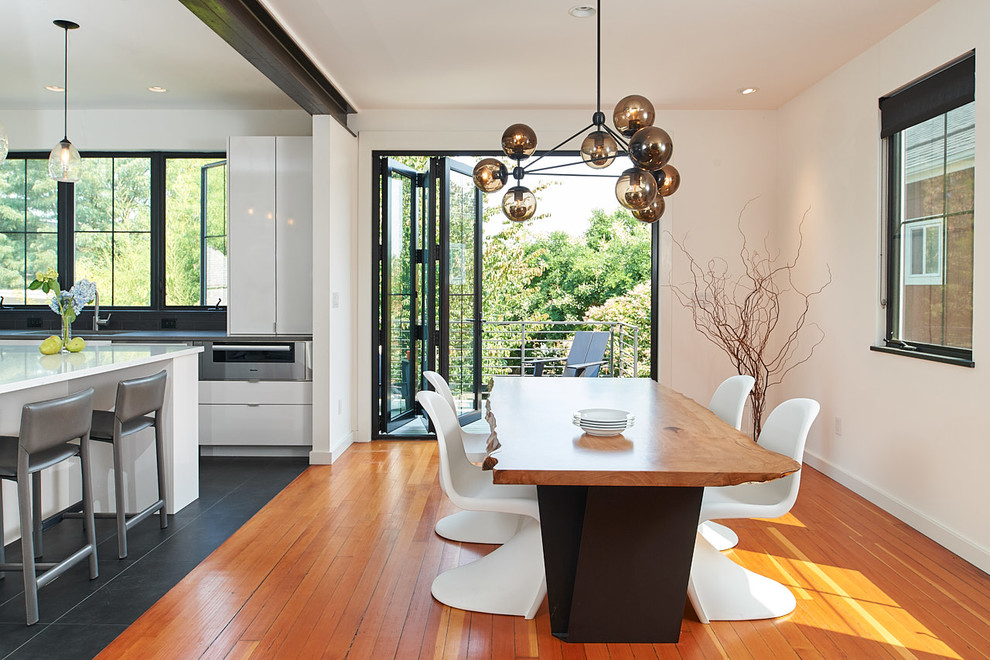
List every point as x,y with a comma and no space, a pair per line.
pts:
936,301
94,262
216,201
12,196
42,254
132,194
216,271
182,231
959,281
463,323
42,197
94,197
132,269
12,282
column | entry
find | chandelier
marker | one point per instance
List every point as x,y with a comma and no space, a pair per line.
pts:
640,188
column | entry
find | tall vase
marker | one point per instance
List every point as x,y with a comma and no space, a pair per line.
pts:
66,332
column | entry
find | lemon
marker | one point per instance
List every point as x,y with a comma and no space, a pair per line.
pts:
76,344
51,346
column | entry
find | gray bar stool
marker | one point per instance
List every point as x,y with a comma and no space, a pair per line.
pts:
137,398
48,429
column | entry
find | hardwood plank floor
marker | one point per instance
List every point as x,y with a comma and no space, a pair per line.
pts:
339,565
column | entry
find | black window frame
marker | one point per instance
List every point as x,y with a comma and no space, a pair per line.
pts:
155,316
935,94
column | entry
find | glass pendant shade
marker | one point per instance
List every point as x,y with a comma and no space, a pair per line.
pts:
669,179
519,141
651,147
3,143
652,212
598,149
636,188
633,113
519,204
490,175
64,163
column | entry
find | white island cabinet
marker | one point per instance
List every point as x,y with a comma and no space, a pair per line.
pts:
270,235
26,376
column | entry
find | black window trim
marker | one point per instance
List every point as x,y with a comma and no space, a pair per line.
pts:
936,93
157,314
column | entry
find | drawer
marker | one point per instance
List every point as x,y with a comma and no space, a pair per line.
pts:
238,424
256,392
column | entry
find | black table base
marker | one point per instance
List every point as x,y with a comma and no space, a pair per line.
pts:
618,560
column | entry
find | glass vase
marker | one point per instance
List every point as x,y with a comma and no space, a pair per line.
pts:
66,332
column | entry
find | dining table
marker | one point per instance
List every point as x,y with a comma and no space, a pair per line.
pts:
618,514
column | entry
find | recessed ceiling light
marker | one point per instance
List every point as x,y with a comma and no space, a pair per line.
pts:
54,88
746,91
581,11
157,90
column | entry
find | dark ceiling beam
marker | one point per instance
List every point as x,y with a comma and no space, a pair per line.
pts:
248,27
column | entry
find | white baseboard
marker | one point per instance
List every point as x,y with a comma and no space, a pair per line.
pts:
328,457
950,540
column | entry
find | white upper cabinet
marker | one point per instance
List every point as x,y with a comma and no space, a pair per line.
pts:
270,228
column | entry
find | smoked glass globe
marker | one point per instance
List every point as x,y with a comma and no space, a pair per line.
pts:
519,141
490,175
598,149
669,179
652,212
519,203
636,188
651,147
633,113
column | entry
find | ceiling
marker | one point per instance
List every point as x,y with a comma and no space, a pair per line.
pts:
382,54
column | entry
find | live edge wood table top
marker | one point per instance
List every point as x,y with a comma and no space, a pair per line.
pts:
618,515
675,441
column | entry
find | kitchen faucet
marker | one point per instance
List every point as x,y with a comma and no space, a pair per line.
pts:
97,321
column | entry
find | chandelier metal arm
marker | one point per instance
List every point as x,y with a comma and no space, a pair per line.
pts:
65,82
528,168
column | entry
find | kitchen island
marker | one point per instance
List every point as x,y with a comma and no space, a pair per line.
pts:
26,375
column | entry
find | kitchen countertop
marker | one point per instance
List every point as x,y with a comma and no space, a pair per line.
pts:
22,365
151,336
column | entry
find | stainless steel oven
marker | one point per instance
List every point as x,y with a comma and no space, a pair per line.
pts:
248,360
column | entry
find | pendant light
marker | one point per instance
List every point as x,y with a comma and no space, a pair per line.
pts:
640,188
65,162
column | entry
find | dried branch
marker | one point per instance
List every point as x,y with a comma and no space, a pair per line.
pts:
742,315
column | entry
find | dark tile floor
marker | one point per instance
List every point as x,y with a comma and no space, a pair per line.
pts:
79,617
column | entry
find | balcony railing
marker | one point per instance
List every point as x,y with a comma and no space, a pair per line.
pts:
509,347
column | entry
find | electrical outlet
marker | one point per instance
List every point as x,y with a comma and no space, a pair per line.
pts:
34,322
168,324
340,406
838,426
335,300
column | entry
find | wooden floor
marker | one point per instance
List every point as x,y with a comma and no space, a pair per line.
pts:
340,565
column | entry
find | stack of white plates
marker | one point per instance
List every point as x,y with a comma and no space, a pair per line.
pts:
603,421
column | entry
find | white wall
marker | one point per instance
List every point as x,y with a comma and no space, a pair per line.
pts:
725,158
334,238
913,438
181,130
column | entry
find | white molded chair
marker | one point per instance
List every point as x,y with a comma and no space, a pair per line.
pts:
729,403
472,526
511,579
720,589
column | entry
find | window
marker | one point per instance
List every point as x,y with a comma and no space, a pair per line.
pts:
150,230
929,129
28,228
195,232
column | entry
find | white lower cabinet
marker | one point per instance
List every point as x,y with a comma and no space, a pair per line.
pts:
255,414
